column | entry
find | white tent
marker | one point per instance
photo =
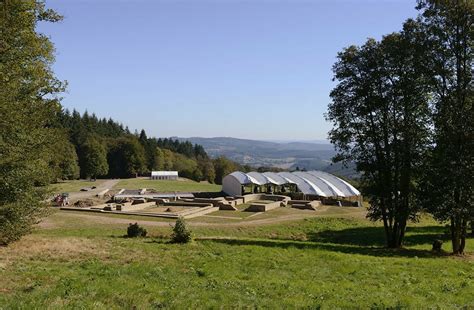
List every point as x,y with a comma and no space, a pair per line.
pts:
317,183
164,175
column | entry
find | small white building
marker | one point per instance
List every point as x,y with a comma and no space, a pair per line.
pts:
164,175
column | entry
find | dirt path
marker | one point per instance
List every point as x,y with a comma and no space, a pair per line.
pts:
105,219
108,184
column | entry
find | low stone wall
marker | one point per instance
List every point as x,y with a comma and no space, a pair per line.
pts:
186,204
305,204
263,207
133,207
214,201
253,197
230,203
227,205
235,200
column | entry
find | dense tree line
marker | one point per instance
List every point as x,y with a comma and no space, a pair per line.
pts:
106,148
403,111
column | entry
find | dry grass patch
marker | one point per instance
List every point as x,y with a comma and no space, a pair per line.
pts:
34,247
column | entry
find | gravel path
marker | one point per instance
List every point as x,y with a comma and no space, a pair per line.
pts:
108,184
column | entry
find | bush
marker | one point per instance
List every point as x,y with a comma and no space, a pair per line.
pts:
134,230
17,219
181,233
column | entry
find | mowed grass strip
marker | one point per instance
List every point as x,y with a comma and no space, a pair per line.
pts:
182,185
327,262
73,185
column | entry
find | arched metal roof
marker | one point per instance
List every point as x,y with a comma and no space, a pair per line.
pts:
261,179
309,182
243,178
274,178
327,187
342,185
304,185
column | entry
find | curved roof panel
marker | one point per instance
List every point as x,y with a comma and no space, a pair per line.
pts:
342,185
261,179
242,177
327,187
304,185
274,178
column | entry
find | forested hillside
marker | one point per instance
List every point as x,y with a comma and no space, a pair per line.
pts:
285,155
93,147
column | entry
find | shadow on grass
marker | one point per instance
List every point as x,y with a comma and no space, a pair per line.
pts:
347,249
357,240
159,241
375,236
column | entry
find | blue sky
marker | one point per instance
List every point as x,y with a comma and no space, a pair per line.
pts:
256,69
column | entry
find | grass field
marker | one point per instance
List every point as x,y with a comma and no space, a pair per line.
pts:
182,185
73,186
82,261
232,214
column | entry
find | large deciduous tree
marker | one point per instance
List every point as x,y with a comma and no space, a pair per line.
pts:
126,157
186,166
93,158
207,169
380,114
159,160
222,167
64,163
28,104
168,159
447,189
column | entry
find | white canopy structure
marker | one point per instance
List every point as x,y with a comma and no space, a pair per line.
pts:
316,183
164,175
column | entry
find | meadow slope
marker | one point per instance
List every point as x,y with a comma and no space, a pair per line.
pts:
330,261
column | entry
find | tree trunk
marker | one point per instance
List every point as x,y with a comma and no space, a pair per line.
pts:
454,236
395,234
386,226
463,235
458,234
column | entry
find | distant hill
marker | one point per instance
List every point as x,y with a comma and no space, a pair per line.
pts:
287,155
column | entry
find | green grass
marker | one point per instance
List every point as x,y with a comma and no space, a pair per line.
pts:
168,186
73,185
228,213
327,261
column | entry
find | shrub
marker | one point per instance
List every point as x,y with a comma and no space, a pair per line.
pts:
17,219
134,230
181,233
